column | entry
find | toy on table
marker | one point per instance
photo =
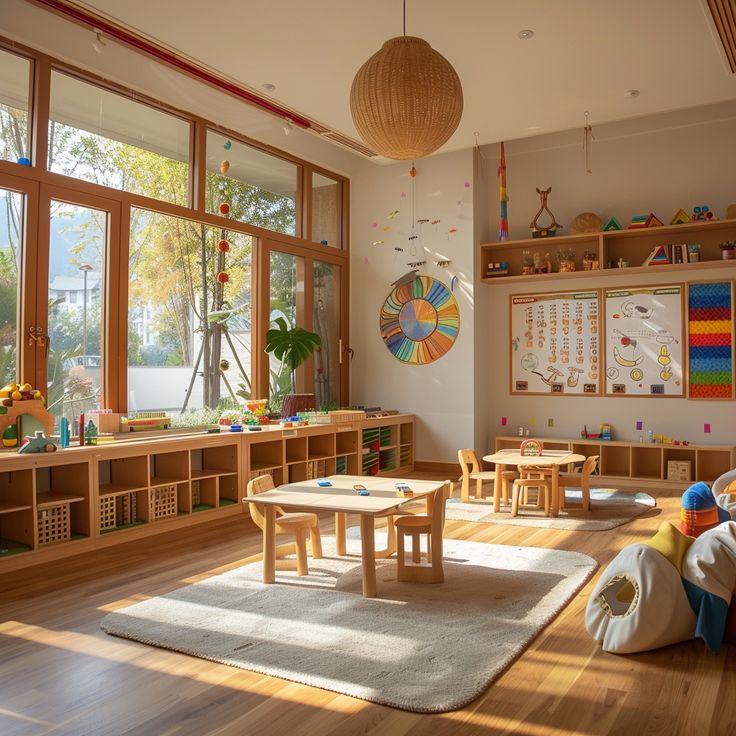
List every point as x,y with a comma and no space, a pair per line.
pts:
403,490
38,443
531,448
324,483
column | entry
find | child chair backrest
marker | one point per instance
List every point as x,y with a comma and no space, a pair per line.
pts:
589,466
468,462
258,485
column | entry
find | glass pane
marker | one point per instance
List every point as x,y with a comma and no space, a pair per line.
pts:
326,320
15,74
12,210
106,138
189,333
284,284
76,264
326,197
257,187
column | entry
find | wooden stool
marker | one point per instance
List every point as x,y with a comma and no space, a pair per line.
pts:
522,484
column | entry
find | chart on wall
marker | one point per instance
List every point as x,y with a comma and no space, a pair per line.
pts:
555,343
710,340
644,341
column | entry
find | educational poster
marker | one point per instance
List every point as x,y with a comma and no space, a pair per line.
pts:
710,340
555,343
644,341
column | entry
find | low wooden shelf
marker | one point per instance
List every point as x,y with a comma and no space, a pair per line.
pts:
642,464
146,486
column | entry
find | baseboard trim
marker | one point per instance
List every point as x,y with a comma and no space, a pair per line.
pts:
452,470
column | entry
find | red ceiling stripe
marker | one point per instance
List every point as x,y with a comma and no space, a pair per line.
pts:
172,59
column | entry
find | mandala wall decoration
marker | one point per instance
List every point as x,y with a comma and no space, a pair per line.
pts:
420,320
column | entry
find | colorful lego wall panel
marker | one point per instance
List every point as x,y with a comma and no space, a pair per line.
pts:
710,340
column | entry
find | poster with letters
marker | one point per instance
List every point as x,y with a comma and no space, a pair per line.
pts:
556,344
644,341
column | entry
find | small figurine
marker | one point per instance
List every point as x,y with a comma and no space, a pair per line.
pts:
549,230
542,264
38,443
90,433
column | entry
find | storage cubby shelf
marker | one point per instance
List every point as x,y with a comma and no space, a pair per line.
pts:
44,500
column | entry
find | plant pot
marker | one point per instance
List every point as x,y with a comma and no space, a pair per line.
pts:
728,254
566,266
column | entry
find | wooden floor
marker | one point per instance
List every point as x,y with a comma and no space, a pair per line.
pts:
59,674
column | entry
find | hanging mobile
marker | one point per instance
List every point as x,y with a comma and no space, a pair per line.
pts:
587,138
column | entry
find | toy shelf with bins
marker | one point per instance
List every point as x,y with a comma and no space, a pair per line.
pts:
630,245
644,463
128,490
387,445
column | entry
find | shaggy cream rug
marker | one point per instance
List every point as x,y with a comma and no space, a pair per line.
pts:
609,508
424,648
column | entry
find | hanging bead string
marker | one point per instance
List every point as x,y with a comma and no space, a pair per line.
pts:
587,139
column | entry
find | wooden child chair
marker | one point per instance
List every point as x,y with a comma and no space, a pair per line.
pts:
579,480
297,524
432,525
531,477
471,471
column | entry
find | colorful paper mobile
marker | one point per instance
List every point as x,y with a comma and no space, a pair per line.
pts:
503,219
420,320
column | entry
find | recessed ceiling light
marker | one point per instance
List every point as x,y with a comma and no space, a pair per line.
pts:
525,34
630,93
268,87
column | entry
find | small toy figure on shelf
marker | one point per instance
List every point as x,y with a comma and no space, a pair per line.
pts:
542,264
549,230
566,260
527,264
703,213
590,261
38,443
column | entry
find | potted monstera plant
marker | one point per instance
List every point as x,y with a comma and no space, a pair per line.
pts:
292,346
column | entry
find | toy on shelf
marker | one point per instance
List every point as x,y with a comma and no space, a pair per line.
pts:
145,420
703,213
566,260
612,224
10,436
38,443
654,221
22,407
680,218
638,222
551,229
658,256
606,432
527,263
728,250
497,269
586,222
542,263
590,261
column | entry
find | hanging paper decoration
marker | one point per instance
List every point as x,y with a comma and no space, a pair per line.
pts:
227,145
223,246
710,340
224,208
224,166
503,218
223,277
420,320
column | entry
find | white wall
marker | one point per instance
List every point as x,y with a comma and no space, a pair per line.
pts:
658,164
441,394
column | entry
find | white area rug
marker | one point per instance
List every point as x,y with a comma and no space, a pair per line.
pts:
609,508
424,648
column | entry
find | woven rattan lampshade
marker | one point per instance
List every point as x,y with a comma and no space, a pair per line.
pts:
406,100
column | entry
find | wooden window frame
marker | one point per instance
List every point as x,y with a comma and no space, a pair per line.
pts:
40,185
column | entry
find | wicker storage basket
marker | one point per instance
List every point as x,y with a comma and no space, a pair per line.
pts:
163,502
53,524
346,416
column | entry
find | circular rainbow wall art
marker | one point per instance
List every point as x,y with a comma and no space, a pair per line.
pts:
420,320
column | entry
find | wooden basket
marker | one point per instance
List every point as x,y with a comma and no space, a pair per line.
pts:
347,416
196,492
163,502
53,524
107,513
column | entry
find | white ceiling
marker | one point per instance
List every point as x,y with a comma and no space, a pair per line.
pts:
584,56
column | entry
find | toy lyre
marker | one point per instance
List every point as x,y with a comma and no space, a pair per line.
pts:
549,230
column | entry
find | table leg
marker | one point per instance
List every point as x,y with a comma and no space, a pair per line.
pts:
555,491
269,544
497,488
340,526
367,530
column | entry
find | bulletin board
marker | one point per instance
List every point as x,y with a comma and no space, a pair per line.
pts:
555,343
710,342
644,341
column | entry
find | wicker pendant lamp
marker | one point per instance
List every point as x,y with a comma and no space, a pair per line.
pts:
406,100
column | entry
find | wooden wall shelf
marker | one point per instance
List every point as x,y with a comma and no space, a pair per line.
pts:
631,245
122,491
642,463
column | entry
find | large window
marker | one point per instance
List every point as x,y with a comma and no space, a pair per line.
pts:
103,137
11,233
258,188
189,315
14,85
326,207
326,321
286,283
76,264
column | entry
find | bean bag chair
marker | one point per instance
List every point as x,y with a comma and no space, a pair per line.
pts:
724,491
639,602
699,511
